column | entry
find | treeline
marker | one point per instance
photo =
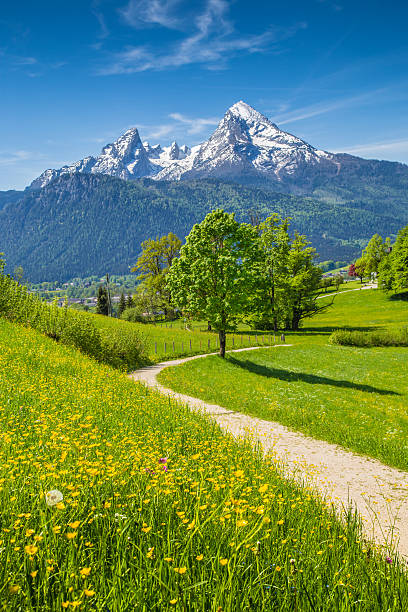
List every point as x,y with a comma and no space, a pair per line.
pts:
68,326
81,224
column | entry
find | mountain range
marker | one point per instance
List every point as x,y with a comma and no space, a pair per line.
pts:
247,156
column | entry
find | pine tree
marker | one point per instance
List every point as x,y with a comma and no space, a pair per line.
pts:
129,301
122,304
102,304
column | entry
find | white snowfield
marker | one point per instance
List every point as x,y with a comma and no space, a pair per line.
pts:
244,141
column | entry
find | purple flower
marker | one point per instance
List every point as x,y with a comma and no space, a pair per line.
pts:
150,472
165,468
163,460
388,560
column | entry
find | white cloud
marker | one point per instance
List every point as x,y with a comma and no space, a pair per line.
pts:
212,41
138,13
194,125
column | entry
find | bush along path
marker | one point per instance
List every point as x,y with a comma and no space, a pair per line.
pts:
377,492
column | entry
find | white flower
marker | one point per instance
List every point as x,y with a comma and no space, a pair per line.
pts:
53,497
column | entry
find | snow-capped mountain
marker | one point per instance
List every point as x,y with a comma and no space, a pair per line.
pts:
246,145
246,148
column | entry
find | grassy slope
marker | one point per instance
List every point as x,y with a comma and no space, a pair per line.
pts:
354,397
216,531
159,339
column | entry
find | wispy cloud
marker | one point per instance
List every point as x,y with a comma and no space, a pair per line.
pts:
377,149
15,157
195,125
321,108
211,43
139,13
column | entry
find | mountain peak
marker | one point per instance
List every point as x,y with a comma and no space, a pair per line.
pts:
245,111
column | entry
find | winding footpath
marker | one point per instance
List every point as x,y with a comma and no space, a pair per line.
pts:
379,493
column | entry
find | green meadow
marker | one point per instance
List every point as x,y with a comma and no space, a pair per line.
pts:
115,498
355,397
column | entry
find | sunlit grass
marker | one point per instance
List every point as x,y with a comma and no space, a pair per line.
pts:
159,509
355,397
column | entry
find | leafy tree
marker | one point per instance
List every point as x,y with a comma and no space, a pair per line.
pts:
360,268
352,271
129,301
18,273
400,260
326,282
374,252
303,283
153,265
122,304
393,270
338,280
274,242
214,274
102,302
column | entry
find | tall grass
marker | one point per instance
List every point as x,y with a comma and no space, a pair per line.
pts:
382,337
160,510
69,326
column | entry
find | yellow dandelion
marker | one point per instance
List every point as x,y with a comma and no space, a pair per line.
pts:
75,524
65,604
33,574
200,557
280,522
29,532
277,568
71,535
173,601
239,473
263,488
223,561
89,593
14,588
146,529
85,571
168,559
180,570
31,550
242,523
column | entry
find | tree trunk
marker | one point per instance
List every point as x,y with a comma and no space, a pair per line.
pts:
223,338
209,328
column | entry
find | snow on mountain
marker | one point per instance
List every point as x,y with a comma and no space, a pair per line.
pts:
245,141
246,146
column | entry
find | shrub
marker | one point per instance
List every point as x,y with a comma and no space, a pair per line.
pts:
386,337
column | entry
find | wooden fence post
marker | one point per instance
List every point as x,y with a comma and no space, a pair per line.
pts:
164,347
173,347
155,347
190,345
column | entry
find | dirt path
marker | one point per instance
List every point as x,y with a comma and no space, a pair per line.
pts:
378,492
369,286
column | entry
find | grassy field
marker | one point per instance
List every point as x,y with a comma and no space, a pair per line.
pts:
167,342
355,397
157,509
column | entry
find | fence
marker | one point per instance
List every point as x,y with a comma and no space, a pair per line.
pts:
195,346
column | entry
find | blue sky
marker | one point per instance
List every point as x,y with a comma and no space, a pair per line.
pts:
74,75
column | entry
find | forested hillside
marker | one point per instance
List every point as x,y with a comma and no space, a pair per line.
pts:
84,224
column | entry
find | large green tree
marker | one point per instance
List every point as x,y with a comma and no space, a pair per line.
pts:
214,275
153,266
